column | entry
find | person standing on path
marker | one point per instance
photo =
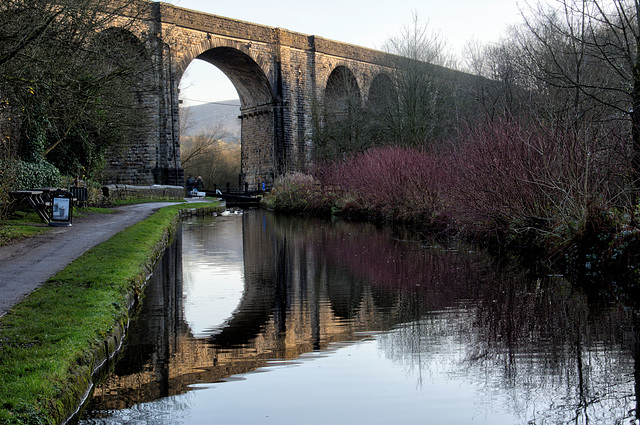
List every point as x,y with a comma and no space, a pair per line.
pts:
191,184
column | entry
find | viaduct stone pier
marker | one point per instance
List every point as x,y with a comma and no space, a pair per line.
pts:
283,78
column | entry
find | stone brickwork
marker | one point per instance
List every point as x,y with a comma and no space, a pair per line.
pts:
280,76
125,191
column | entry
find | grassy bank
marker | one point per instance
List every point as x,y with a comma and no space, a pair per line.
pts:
52,341
25,224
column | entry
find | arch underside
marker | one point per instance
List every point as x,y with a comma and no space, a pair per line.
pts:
246,75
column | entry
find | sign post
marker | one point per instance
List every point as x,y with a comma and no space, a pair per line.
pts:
61,208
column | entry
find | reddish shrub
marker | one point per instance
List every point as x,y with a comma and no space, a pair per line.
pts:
299,193
399,184
504,179
508,176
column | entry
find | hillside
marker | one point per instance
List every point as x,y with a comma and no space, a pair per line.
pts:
203,118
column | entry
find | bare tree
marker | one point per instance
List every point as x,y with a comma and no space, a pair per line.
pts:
194,148
414,110
564,79
586,53
505,89
208,156
75,81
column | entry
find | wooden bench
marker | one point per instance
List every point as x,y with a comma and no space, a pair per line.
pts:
80,196
35,198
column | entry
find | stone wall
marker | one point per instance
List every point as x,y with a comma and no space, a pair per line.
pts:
257,157
123,192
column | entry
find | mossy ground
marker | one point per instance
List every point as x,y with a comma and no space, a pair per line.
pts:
45,339
20,226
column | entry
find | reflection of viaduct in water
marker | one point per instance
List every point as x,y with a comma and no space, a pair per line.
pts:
292,305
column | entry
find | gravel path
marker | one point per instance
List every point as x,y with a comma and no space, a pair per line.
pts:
26,265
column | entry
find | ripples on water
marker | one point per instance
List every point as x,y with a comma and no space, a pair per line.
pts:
258,318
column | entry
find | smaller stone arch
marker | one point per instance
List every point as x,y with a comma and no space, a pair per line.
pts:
115,38
382,92
342,94
381,108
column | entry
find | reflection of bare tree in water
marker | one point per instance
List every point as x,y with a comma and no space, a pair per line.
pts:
635,338
560,355
555,359
563,359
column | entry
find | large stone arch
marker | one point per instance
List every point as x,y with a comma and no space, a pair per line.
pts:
251,73
246,75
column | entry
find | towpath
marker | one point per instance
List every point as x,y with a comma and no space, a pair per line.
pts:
26,265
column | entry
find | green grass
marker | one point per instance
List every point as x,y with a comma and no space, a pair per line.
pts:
20,226
46,340
26,224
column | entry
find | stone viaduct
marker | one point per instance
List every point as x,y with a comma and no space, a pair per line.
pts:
283,78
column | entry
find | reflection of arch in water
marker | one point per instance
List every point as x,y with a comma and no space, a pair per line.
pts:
495,325
345,294
249,318
265,273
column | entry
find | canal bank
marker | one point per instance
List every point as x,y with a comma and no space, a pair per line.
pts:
53,341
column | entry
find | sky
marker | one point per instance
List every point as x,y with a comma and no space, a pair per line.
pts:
361,22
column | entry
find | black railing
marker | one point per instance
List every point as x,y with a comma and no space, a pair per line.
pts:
245,189
80,195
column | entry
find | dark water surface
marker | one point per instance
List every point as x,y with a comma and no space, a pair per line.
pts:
256,319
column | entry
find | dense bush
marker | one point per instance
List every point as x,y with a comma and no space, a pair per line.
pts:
508,177
397,184
300,193
20,175
32,175
504,182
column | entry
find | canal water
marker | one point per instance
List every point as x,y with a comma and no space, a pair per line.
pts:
257,318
